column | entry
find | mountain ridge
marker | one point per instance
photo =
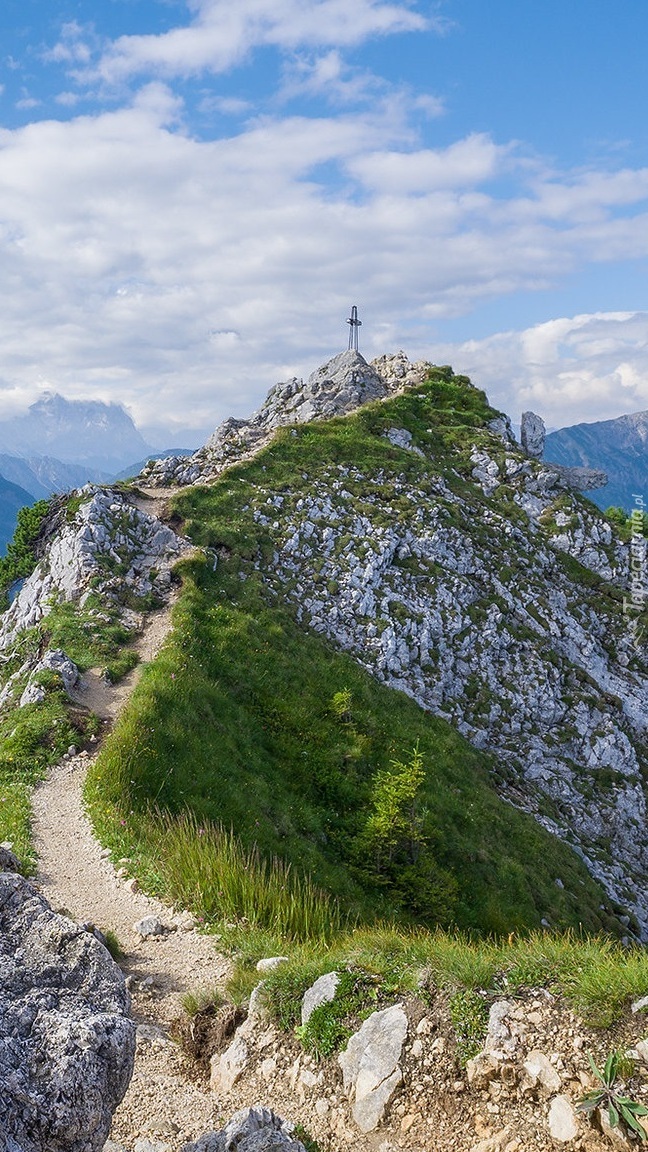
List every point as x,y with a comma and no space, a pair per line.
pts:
455,568
618,446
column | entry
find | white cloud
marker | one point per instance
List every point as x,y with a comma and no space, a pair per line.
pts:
569,370
75,45
183,277
27,102
222,34
462,165
330,76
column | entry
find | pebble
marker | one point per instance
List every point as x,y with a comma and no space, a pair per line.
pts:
271,962
149,926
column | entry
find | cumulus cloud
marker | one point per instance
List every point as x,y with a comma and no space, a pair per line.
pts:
569,370
183,277
221,34
464,164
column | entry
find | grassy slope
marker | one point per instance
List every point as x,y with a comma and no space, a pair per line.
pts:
235,720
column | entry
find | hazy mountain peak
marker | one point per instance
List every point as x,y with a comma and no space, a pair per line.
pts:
75,430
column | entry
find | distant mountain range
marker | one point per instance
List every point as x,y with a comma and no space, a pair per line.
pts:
619,447
62,444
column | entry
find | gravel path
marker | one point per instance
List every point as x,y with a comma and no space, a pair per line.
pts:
166,1102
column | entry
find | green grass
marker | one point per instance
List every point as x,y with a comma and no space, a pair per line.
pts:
598,976
235,722
32,738
15,816
246,721
92,635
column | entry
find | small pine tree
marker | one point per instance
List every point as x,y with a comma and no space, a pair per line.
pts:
395,826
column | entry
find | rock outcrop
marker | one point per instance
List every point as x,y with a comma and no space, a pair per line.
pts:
371,1065
533,435
338,387
66,1042
108,545
106,548
533,438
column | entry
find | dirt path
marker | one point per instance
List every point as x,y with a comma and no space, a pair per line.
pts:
165,1102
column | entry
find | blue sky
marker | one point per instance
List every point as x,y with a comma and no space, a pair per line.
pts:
192,195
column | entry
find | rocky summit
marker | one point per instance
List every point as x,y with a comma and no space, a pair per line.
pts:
339,386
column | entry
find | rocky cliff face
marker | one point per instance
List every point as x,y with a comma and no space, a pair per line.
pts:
106,549
474,615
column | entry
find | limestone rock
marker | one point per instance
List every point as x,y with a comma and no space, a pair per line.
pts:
228,1067
398,372
54,660
540,1073
9,862
563,1125
582,479
501,426
505,1027
370,1065
255,1129
401,438
533,435
107,535
149,926
269,963
66,1044
339,386
321,992
483,1068
614,1134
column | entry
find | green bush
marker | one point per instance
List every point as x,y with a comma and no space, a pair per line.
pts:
20,558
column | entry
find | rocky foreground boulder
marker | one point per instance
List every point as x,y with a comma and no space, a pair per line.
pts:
66,1042
256,1129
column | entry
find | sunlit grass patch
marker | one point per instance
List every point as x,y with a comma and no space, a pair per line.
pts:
15,817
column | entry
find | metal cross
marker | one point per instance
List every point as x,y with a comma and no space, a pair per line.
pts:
353,330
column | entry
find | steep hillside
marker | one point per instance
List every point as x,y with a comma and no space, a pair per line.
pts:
619,447
413,536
